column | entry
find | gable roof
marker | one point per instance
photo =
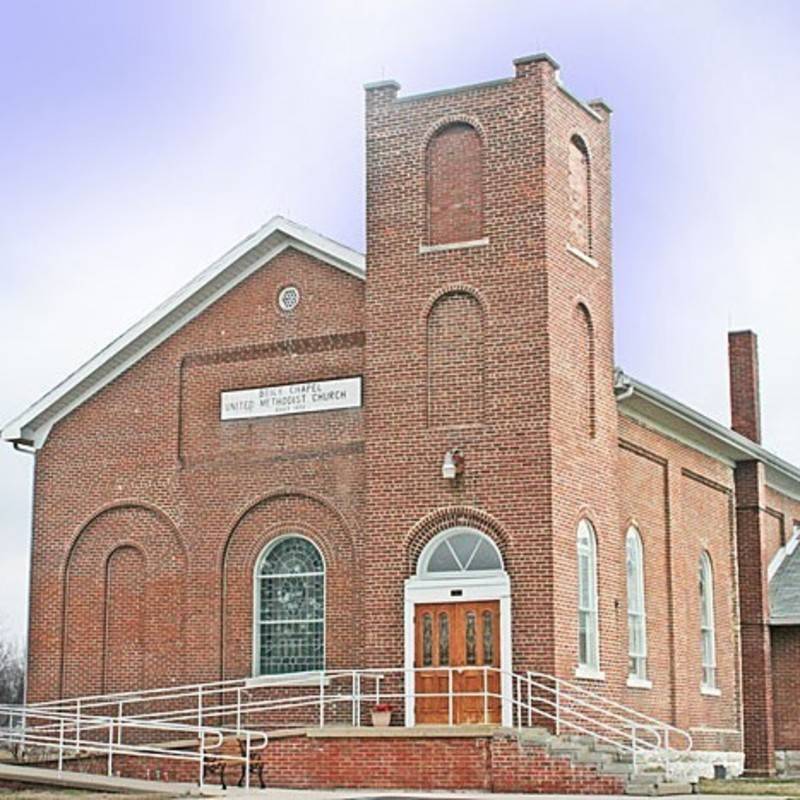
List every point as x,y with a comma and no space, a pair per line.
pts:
32,426
784,585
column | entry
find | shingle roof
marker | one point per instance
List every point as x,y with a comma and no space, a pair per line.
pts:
784,588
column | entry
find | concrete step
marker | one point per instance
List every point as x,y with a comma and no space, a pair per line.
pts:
659,789
616,768
591,757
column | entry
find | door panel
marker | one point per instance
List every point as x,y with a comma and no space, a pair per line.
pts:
465,636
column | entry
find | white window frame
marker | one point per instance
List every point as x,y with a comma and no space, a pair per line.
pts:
586,547
637,615
291,677
708,634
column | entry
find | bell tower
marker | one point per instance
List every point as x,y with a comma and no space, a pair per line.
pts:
489,334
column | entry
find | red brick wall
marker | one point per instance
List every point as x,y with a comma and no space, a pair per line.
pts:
147,463
786,694
682,504
499,763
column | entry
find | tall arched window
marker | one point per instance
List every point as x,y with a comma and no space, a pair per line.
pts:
637,622
588,636
290,607
455,185
708,648
580,196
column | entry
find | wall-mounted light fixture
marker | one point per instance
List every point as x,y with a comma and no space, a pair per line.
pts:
453,464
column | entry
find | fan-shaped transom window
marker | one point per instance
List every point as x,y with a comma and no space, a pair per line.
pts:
460,550
290,607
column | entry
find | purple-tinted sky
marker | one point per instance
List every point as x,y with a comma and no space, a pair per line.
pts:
140,139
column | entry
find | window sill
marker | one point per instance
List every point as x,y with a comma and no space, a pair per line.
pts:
592,262
710,691
639,683
441,248
589,673
302,680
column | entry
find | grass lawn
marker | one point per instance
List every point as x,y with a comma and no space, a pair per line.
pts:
779,788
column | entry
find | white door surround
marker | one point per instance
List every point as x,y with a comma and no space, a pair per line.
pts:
456,587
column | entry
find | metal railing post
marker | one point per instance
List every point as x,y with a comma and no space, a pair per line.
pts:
200,706
110,765
530,701
321,699
519,701
119,723
450,696
202,757
60,746
238,709
485,696
558,707
247,762
78,724
633,745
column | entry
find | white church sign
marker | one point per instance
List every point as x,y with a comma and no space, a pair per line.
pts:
291,398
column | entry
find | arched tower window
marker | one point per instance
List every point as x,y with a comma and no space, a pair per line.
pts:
588,635
708,648
456,360
584,360
290,607
580,196
637,621
455,185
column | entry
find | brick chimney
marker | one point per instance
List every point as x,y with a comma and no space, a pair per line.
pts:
751,549
745,398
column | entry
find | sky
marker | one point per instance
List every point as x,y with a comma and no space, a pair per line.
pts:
140,139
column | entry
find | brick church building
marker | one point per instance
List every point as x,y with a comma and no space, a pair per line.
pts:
309,459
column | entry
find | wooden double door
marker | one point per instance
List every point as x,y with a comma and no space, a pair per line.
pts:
462,639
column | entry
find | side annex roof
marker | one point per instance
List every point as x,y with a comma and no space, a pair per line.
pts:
32,427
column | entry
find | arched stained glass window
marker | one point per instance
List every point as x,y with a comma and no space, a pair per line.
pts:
460,550
290,607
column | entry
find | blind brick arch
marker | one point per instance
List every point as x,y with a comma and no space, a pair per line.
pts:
580,196
124,584
125,620
456,360
455,184
583,357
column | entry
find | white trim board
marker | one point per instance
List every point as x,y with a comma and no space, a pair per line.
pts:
32,427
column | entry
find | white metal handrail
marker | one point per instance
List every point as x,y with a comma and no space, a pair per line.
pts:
535,698
611,708
70,736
